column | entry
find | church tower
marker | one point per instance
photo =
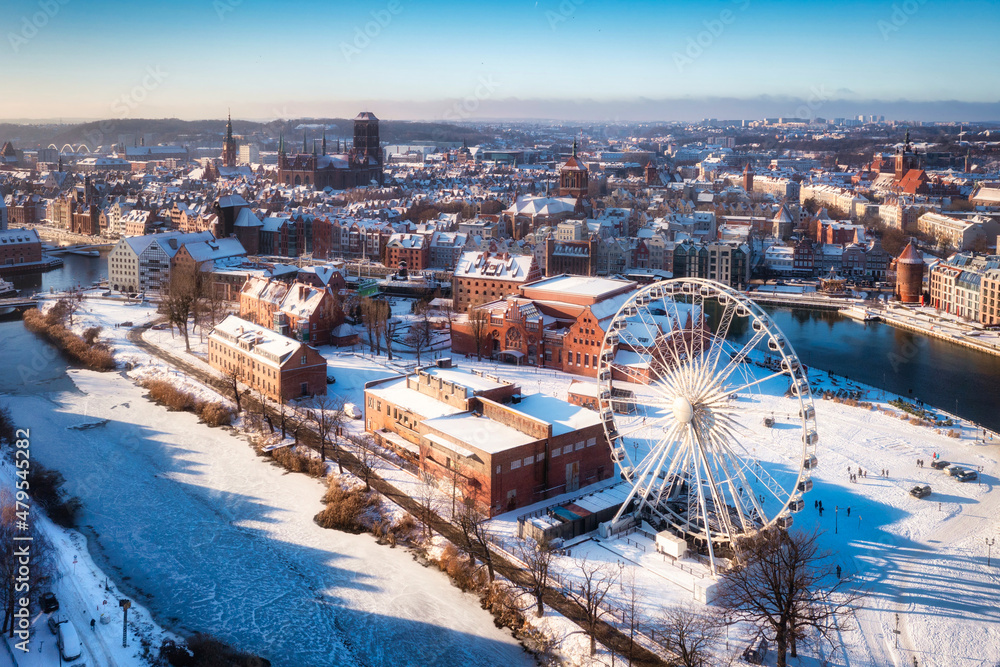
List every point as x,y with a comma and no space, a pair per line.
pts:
573,177
367,146
748,178
229,145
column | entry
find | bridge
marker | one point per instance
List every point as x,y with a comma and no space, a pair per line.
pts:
17,302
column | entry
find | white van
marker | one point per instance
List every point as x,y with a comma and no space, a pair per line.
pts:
69,641
352,411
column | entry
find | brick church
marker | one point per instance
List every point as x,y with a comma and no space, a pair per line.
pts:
359,166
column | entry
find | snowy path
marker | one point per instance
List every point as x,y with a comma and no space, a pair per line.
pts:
212,538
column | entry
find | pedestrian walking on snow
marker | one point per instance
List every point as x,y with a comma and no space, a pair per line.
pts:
838,572
848,511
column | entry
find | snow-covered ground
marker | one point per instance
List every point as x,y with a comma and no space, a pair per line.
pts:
212,538
924,559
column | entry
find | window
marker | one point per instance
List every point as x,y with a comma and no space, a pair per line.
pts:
567,449
529,460
303,360
592,442
498,470
305,388
579,445
541,456
555,452
514,465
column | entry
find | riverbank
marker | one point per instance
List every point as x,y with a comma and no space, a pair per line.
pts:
921,319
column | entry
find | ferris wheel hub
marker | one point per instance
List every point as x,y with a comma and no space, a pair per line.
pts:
683,412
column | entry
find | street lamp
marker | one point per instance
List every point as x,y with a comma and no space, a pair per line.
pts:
989,547
125,604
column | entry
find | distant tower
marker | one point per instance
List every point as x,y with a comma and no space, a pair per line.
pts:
652,175
366,140
229,146
748,178
904,159
573,177
910,274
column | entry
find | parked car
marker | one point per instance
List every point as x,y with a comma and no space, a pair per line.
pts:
968,476
69,641
49,602
956,471
940,464
920,491
54,624
352,411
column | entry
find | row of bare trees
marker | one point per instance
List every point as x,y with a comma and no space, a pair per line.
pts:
191,296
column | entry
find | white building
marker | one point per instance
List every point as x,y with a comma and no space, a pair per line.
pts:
142,263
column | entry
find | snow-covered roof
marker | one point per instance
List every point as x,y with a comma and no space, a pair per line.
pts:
476,264
264,344
396,392
471,381
480,432
564,417
203,251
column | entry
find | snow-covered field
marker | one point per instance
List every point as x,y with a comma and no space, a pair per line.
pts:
222,541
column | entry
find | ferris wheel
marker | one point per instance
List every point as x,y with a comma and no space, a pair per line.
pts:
693,378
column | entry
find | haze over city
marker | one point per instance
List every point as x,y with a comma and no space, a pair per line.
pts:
569,59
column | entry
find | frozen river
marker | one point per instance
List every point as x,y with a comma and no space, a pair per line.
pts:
211,538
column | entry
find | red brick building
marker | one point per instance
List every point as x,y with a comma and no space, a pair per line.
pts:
19,246
481,277
413,249
558,322
278,366
301,310
500,449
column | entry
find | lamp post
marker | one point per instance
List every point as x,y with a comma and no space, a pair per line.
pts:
836,515
989,547
125,604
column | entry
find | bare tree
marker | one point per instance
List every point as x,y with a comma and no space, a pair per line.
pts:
632,614
233,378
419,336
596,582
426,497
327,413
688,635
782,581
180,300
476,536
364,452
389,329
375,313
479,324
537,555
39,557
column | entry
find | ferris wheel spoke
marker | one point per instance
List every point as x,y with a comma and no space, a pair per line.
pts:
723,331
718,499
744,492
738,358
757,382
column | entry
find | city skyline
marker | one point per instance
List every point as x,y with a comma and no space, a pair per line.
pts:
561,60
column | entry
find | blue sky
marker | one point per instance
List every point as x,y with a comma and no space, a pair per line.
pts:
416,59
